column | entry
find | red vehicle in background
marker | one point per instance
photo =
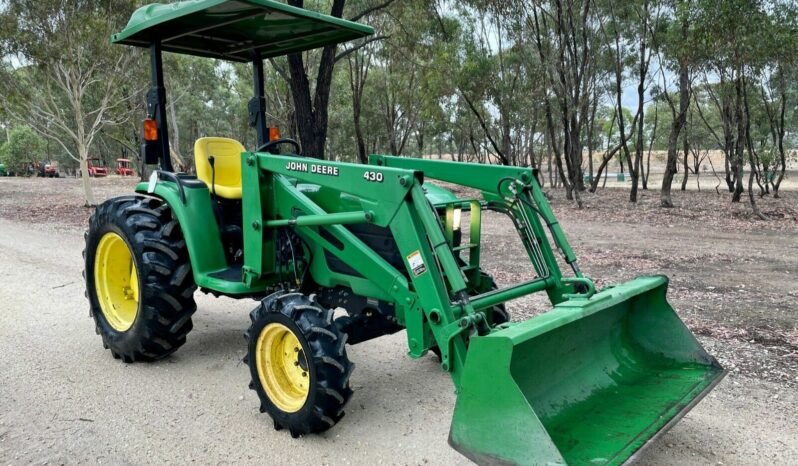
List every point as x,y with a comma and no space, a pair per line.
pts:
51,170
47,169
124,168
97,168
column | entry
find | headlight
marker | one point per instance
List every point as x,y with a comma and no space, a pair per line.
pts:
456,219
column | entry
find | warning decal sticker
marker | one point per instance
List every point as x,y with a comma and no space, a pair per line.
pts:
416,263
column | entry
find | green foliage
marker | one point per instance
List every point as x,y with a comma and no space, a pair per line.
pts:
428,61
61,68
22,150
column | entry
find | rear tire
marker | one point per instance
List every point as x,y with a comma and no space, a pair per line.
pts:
303,388
159,321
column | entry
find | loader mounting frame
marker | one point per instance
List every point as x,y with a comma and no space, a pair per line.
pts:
432,305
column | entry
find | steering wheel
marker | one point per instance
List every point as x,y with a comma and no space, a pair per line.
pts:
271,144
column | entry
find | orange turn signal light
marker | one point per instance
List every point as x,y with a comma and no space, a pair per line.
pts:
274,133
150,130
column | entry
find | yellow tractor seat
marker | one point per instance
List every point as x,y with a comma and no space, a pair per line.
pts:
226,182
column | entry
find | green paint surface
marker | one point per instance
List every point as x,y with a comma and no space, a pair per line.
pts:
233,30
589,382
611,423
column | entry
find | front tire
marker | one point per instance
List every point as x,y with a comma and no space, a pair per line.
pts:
138,278
297,360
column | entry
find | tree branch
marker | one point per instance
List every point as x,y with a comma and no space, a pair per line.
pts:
371,10
359,46
485,128
280,70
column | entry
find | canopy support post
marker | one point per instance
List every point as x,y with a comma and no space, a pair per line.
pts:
257,105
156,106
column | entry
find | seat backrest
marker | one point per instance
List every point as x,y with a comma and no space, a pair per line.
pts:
227,162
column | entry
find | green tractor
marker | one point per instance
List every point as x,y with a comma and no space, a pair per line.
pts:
339,253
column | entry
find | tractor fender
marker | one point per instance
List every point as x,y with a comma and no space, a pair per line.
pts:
197,221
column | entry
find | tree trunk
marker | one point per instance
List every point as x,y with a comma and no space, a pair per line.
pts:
312,114
780,136
698,180
685,161
650,146
591,130
727,117
174,132
358,73
361,143
747,125
759,166
739,146
641,89
549,150
84,176
727,154
679,120
557,155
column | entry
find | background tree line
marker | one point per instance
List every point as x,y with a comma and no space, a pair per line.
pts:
575,88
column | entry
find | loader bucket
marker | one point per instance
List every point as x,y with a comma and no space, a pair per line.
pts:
590,382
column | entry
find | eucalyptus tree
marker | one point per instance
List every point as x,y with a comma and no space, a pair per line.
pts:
677,51
401,61
564,35
741,41
730,36
491,80
776,89
359,65
629,29
311,102
68,81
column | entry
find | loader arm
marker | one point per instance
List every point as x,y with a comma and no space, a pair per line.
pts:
432,304
390,198
516,192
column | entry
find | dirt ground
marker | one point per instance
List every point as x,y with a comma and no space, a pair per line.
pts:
63,399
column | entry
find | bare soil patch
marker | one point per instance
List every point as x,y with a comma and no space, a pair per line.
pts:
56,201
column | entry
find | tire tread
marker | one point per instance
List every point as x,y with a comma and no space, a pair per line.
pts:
166,282
325,342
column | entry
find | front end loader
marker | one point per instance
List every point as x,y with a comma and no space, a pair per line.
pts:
338,253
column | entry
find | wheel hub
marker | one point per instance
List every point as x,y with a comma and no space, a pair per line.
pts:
282,367
116,282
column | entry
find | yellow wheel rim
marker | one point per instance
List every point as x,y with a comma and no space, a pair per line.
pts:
282,367
116,282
